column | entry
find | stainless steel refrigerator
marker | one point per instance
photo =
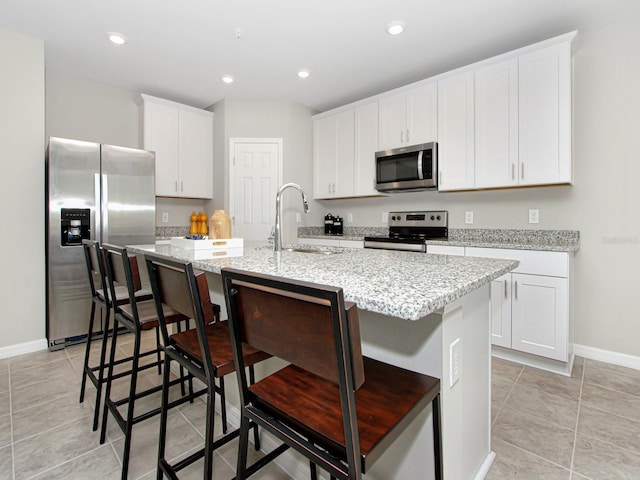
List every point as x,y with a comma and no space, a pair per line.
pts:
94,191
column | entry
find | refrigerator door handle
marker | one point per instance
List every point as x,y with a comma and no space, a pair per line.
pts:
97,218
104,207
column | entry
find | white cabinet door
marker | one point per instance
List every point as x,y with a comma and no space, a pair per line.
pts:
496,125
422,114
333,155
456,132
182,138
196,154
409,118
160,134
501,311
545,116
540,316
366,146
392,121
446,250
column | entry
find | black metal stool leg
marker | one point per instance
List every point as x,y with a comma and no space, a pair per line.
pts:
223,406
313,470
164,413
437,437
130,406
256,435
107,393
210,421
101,370
87,352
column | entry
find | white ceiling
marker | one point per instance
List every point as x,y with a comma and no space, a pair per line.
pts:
179,49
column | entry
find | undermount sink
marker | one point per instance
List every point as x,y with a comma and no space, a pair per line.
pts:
311,250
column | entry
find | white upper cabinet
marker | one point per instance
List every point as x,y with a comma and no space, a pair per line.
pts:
182,138
496,125
408,117
456,132
333,155
545,115
366,146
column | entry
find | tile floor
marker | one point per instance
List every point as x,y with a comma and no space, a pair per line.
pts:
544,426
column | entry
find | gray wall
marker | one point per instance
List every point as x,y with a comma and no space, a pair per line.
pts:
22,263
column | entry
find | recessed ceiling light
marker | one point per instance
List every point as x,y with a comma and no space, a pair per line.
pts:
116,38
227,79
395,28
303,73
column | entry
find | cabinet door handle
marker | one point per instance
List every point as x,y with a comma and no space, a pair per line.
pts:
182,186
522,170
513,171
505,289
329,188
407,135
515,284
401,136
176,185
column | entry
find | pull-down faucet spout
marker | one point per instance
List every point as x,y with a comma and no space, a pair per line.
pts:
278,230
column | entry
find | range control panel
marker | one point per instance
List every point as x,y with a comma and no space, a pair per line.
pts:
435,218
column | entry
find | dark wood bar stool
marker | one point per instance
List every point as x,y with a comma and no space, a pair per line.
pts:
337,408
135,316
100,301
204,351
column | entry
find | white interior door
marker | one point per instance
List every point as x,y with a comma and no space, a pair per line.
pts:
256,173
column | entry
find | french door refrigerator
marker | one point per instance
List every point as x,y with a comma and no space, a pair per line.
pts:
99,192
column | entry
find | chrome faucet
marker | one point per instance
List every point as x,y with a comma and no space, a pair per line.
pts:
278,231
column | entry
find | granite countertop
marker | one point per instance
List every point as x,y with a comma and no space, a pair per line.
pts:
400,284
543,240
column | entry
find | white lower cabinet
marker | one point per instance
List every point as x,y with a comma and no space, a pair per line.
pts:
530,306
332,242
446,250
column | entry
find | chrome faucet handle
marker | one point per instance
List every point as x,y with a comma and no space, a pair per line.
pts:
272,235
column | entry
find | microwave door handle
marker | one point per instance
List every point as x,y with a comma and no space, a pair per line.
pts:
420,175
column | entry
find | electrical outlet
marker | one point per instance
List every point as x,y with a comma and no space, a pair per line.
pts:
534,215
349,217
385,217
468,217
165,217
455,362
298,217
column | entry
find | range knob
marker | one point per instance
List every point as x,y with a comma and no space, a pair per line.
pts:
393,217
399,217
432,217
438,217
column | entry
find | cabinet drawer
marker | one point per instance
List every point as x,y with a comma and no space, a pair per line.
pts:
446,249
533,262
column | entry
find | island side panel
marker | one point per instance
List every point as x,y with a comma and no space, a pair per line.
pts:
423,346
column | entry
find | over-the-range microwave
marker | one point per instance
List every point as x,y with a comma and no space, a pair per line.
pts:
408,168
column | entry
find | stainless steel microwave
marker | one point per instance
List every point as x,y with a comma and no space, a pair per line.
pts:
407,168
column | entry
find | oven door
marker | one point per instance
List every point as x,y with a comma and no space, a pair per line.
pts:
407,168
387,243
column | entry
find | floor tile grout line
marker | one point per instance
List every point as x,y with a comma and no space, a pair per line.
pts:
504,402
612,389
63,463
64,424
535,455
575,433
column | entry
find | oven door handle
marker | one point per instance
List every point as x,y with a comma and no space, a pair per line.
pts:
420,174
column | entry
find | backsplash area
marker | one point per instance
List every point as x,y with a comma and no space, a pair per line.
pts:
165,233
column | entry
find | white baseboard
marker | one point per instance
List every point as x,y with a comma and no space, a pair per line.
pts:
22,348
622,359
486,466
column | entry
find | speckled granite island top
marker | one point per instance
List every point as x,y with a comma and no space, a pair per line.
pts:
400,284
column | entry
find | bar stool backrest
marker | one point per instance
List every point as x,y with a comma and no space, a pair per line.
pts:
95,269
122,270
177,285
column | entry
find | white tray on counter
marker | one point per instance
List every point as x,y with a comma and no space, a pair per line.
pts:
207,244
210,254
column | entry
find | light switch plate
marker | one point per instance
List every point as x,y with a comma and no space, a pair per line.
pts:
468,217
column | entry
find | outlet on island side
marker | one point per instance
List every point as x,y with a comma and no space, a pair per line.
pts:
298,217
165,217
385,217
455,362
534,215
468,217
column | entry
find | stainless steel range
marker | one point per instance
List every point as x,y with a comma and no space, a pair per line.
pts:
410,230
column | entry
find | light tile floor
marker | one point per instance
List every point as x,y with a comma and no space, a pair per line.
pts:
545,426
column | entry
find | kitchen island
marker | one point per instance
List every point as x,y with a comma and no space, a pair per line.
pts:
417,311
